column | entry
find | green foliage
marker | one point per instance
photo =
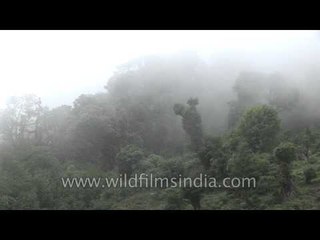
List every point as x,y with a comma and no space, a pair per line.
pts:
246,164
194,196
309,174
174,199
131,128
213,155
259,127
30,179
285,153
128,158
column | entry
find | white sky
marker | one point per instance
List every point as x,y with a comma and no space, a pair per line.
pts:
58,66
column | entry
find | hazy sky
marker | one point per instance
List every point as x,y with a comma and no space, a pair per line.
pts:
58,66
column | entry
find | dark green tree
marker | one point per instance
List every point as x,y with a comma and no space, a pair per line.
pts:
285,153
213,156
191,122
194,196
128,159
307,141
259,127
309,174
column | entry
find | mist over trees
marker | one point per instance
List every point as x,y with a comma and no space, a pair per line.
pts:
168,115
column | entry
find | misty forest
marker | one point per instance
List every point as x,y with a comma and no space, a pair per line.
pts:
168,115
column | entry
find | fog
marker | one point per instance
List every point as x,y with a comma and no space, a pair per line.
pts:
109,104
59,66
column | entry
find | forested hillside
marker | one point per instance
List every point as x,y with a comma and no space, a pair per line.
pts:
168,115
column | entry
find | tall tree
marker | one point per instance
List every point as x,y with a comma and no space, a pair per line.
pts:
285,154
20,121
191,122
